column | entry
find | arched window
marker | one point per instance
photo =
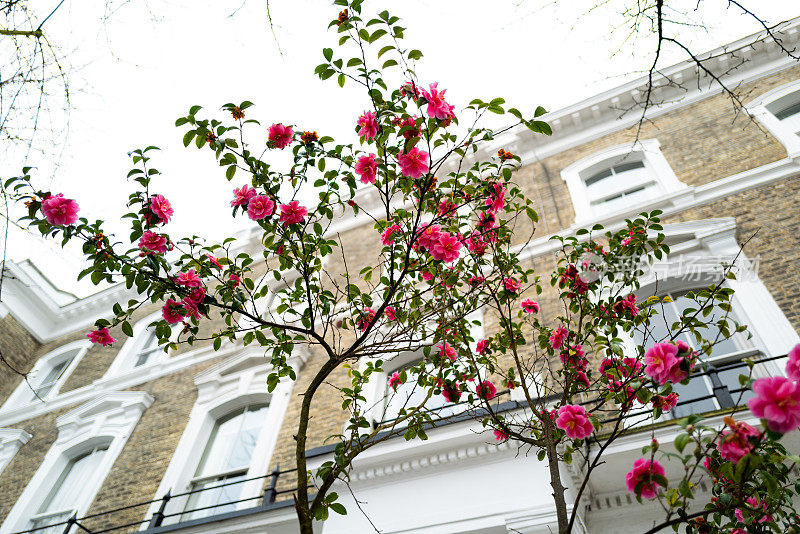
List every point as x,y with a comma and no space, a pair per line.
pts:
59,504
48,375
724,351
142,348
779,111
90,437
225,462
409,394
618,179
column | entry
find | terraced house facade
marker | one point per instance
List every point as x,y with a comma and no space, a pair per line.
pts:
129,438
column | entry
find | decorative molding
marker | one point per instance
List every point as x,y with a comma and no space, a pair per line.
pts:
230,385
42,367
106,420
673,203
128,379
11,439
36,306
760,108
451,456
647,151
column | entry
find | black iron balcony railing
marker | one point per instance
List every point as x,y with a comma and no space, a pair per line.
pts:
103,522
719,393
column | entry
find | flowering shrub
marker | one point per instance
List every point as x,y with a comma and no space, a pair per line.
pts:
445,223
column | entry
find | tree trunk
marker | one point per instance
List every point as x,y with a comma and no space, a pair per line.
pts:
555,480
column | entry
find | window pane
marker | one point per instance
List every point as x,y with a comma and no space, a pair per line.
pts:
697,387
218,500
723,346
232,441
72,481
410,394
54,519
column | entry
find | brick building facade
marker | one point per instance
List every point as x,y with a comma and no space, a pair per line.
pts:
129,424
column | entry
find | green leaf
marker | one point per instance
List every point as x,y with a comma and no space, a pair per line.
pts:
328,53
415,54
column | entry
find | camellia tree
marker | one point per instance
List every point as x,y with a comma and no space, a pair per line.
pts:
448,228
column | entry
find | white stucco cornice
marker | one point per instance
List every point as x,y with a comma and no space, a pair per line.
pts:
36,306
678,86
11,439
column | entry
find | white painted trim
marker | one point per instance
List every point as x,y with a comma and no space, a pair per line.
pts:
647,151
670,204
125,380
760,108
130,349
11,439
31,304
109,418
225,387
42,367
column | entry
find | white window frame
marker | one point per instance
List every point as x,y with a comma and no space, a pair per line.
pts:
126,357
764,109
376,390
647,151
11,440
715,239
43,366
108,419
235,383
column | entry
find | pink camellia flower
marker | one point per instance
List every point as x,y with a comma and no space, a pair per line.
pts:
101,337
395,381
581,379
188,279
437,107
368,125
659,361
427,276
447,248
446,350
365,319
197,295
500,436
414,163
214,261
367,168
574,420
387,237
429,236
665,403
447,207
234,279
172,311
292,213
558,337
190,305
497,198
482,346
475,280
390,314
242,196
280,136
642,473
530,306
476,245
734,445
152,243
778,401
758,506
451,393
60,211
512,285
486,390
161,207
260,207
793,365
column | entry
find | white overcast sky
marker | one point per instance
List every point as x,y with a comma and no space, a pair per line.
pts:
135,73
